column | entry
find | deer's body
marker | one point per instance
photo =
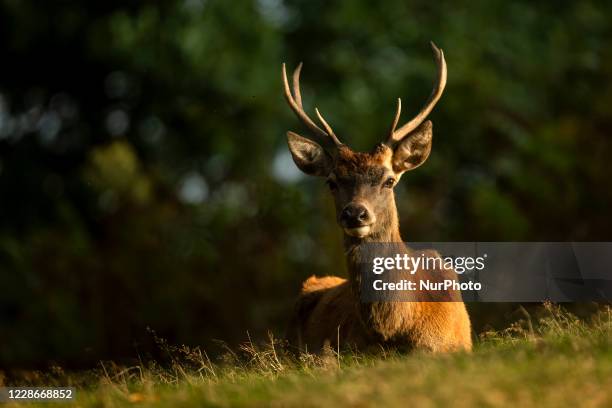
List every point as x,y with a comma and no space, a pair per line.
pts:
327,312
330,309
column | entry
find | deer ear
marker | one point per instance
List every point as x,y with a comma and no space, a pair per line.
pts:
308,155
414,149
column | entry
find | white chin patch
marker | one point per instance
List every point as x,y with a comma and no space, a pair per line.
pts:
358,232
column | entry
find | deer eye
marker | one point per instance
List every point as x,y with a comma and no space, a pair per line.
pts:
332,185
389,183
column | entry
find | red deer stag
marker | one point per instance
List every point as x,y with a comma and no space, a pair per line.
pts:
329,309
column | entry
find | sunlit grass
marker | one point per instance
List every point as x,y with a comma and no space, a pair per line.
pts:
557,360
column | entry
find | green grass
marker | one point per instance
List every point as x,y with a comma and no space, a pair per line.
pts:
555,361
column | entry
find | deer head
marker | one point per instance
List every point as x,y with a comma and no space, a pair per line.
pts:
362,183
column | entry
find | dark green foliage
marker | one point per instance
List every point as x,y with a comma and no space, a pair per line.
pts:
138,143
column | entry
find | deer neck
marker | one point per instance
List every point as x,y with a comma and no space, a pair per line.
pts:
382,320
387,231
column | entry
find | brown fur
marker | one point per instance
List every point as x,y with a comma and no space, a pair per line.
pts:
329,309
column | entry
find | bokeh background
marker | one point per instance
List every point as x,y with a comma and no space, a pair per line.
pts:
145,179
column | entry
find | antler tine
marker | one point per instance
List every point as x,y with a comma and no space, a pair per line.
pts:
436,93
296,85
328,128
397,117
298,100
295,102
296,107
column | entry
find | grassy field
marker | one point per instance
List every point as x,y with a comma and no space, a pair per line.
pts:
553,361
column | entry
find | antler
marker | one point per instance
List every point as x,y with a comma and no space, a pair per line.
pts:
397,135
295,102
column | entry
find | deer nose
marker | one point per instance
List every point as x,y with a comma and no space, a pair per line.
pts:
355,215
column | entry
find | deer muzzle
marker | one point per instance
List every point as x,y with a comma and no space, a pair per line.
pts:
356,220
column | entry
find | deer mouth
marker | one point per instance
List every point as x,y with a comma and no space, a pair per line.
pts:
358,232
